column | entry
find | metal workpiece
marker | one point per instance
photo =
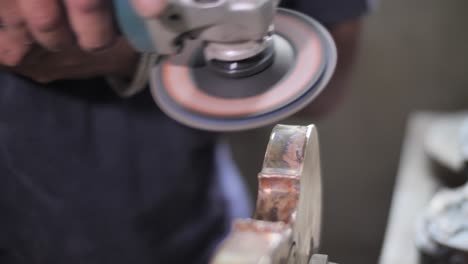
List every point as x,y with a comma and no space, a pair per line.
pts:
286,225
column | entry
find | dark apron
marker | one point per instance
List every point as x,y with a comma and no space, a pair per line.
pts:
87,177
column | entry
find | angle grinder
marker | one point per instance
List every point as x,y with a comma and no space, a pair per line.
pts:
230,65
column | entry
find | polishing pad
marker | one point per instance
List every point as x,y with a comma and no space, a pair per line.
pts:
189,91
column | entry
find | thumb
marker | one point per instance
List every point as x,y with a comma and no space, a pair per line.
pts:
149,8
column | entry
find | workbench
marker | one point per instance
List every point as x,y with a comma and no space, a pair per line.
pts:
414,187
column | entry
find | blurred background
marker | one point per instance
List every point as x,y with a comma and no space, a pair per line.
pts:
413,56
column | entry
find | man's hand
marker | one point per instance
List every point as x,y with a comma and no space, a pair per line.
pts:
55,23
15,40
58,25
44,66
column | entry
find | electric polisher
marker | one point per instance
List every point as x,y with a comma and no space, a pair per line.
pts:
230,65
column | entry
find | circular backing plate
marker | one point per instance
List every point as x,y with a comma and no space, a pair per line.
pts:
305,59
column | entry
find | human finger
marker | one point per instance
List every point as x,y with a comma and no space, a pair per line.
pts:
47,23
15,40
92,22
